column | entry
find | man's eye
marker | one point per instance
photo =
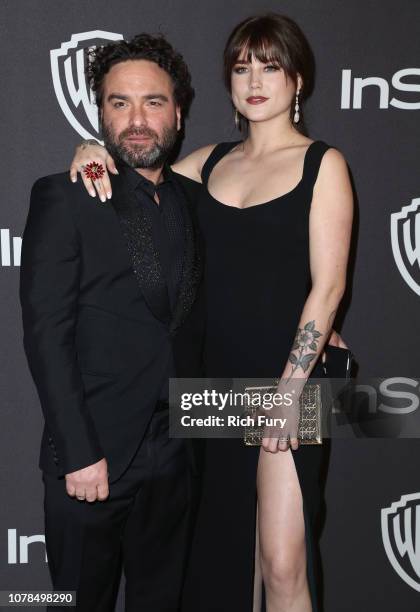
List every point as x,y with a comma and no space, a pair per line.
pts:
119,104
155,103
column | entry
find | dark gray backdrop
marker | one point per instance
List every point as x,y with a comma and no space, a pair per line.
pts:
373,39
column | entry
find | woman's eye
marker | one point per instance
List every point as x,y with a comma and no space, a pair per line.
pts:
272,67
239,69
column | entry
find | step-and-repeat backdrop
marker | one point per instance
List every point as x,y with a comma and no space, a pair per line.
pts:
366,103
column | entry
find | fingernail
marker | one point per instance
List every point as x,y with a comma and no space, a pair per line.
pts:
103,199
116,171
92,194
73,179
109,195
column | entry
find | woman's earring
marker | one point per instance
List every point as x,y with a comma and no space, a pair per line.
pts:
237,119
297,114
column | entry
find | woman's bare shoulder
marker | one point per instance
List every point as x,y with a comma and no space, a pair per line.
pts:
333,162
332,188
193,163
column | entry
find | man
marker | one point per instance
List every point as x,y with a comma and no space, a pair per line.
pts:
111,306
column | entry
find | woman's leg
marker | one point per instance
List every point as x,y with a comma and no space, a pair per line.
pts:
282,533
257,573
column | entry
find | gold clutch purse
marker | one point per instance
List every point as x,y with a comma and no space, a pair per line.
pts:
309,429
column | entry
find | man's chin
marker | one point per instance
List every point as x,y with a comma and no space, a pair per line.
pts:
134,147
141,158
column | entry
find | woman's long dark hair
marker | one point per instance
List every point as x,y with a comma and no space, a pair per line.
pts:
273,38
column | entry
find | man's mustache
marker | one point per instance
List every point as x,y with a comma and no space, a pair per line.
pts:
138,132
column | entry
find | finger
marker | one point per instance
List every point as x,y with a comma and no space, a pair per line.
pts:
91,494
337,340
107,185
71,489
333,340
80,494
271,445
294,443
283,445
266,445
100,189
103,492
273,434
110,164
341,343
324,357
73,173
88,184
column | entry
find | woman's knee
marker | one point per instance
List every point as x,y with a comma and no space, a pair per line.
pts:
284,573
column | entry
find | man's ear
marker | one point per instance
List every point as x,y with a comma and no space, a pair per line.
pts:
178,118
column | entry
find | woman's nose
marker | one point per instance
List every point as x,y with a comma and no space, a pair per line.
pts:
255,82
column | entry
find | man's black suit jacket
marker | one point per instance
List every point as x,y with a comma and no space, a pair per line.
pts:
96,332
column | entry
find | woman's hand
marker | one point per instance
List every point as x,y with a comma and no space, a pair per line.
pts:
336,340
91,151
282,419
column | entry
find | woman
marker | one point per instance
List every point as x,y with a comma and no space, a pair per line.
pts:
276,215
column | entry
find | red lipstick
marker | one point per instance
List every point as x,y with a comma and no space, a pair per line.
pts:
256,99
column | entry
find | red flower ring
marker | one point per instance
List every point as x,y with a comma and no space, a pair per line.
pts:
94,170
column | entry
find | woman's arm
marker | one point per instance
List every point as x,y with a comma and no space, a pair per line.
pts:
91,151
330,225
192,165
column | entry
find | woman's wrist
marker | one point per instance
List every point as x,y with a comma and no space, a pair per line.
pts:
88,142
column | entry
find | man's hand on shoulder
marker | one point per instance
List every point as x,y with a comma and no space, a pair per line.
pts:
90,483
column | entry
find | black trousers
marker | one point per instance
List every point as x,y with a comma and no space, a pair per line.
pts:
142,528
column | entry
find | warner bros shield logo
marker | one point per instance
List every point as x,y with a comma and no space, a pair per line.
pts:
73,93
405,240
401,537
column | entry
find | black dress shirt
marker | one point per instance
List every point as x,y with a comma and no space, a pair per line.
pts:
168,231
166,220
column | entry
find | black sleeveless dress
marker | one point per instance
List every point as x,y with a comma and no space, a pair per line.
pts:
257,280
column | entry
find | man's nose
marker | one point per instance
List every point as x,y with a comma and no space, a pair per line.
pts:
138,116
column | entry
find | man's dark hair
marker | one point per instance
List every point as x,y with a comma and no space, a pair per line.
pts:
142,47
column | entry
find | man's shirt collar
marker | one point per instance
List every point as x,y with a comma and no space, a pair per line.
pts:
135,180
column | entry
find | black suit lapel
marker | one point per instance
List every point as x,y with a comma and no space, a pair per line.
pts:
193,264
137,232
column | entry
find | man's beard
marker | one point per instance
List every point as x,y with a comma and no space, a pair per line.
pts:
151,155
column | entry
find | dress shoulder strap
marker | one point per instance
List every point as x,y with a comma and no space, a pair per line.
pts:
312,162
219,151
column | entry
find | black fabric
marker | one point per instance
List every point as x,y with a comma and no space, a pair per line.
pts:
166,220
257,278
143,527
167,232
99,333
216,155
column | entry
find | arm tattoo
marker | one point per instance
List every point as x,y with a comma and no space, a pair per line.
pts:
306,340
